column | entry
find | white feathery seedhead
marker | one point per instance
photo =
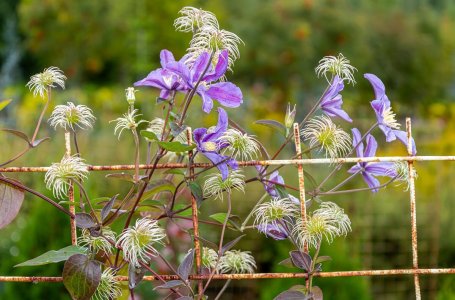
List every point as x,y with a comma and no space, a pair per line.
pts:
240,145
322,132
192,19
70,116
236,261
328,221
278,209
401,170
49,78
138,242
212,39
209,257
98,243
109,286
128,122
214,186
336,65
59,175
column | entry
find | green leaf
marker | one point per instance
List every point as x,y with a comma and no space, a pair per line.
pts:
232,222
11,199
185,213
176,129
149,135
196,191
53,256
176,146
175,172
219,217
157,186
81,276
4,103
273,124
322,259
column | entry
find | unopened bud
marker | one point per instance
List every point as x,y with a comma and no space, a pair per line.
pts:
290,116
130,95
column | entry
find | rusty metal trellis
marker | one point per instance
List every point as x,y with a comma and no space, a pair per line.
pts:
415,271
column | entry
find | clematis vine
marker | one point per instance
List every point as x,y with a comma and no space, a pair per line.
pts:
332,100
163,78
370,169
384,114
202,71
209,144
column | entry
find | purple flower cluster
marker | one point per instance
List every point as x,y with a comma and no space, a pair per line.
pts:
178,76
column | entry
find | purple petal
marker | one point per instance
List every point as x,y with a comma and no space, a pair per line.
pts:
207,101
220,128
179,68
336,112
198,135
199,66
381,169
220,67
226,93
166,57
388,132
378,86
356,136
403,137
275,231
218,160
371,181
371,147
355,169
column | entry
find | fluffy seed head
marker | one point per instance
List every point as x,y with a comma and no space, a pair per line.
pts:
138,242
322,132
328,221
240,145
59,175
276,210
97,243
209,257
214,186
390,118
70,116
128,122
192,19
212,39
338,65
401,169
236,261
109,287
49,78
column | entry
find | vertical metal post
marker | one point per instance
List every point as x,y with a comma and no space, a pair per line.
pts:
298,151
412,194
194,214
71,192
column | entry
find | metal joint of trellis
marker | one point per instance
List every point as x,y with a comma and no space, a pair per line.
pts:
415,270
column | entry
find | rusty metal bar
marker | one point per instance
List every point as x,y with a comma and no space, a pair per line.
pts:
194,215
298,151
314,161
412,196
363,273
71,192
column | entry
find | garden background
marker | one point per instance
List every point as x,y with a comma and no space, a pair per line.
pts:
104,46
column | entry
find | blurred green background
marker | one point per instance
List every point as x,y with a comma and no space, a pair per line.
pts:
104,46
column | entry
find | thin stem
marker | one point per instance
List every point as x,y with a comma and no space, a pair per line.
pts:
175,272
313,263
242,227
159,277
19,155
38,124
344,181
357,190
223,289
136,156
50,201
81,188
76,144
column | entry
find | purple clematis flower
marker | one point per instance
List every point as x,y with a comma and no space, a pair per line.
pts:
332,100
163,78
368,169
384,114
276,231
226,93
208,143
269,186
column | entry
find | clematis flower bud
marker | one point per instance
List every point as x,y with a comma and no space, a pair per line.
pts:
290,116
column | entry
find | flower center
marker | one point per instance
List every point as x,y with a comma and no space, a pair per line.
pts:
210,146
168,80
389,118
